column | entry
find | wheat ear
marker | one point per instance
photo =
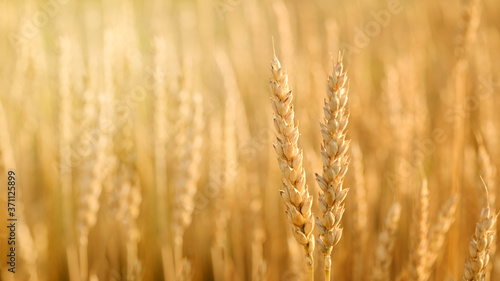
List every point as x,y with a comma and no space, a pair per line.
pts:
129,200
65,141
185,186
420,243
479,246
383,253
360,212
437,233
89,199
335,163
295,191
487,169
164,55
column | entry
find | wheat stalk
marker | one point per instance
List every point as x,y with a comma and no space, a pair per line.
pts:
383,252
418,252
185,186
165,59
479,246
487,169
335,163
295,192
471,16
466,39
437,233
360,212
65,141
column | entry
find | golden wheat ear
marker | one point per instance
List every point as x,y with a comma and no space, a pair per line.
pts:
335,163
438,231
480,243
420,233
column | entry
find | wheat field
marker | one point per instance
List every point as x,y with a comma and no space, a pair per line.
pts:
257,140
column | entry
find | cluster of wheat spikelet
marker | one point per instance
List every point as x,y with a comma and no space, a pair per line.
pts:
383,258
335,163
479,247
142,140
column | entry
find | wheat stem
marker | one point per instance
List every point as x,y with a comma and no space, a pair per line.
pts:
479,247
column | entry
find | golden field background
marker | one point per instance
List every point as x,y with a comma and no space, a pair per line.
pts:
141,133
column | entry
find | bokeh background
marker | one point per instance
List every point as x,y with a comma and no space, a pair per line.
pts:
141,132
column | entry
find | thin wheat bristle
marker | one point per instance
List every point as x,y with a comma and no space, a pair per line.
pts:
185,185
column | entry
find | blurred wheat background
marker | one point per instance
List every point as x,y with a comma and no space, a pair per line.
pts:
141,133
